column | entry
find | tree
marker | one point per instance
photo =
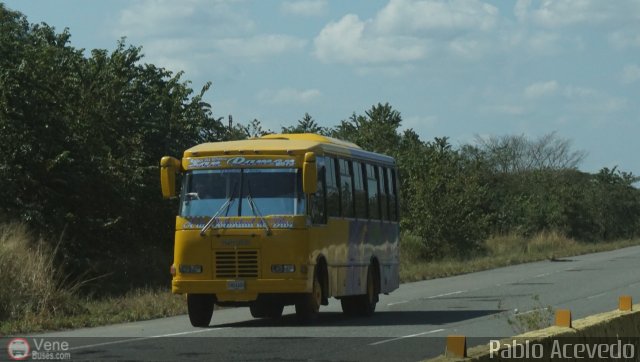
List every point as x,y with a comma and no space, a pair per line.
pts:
306,125
376,131
617,204
443,197
254,129
81,138
518,154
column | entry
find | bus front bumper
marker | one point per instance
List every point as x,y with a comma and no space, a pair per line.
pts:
228,290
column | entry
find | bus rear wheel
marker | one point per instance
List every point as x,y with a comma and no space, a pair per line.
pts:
308,305
349,305
200,307
367,302
362,305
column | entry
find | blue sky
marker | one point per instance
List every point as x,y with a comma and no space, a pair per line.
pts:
460,68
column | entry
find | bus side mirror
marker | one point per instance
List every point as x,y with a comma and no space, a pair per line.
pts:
169,167
309,173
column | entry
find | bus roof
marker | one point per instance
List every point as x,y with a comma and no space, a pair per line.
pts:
290,143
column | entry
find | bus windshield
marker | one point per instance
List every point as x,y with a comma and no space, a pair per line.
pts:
242,192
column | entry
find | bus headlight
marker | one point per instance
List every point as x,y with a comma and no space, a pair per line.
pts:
283,268
190,269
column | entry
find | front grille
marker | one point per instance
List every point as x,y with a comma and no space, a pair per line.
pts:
237,264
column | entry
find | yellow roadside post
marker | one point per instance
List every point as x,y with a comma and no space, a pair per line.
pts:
624,303
563,318
456,346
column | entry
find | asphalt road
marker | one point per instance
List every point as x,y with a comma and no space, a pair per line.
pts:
409,325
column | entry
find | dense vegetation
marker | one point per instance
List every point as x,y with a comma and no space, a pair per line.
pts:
81,136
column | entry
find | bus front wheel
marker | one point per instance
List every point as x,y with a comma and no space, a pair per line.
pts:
200,307
308,305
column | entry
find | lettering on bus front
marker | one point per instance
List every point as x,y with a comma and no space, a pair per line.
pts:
253,223
239,161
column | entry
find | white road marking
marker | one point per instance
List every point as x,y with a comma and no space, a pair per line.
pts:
446,294
596,295
408,336
400,302
143,338
542,275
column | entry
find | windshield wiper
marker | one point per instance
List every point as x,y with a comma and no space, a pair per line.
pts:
255,210
224,207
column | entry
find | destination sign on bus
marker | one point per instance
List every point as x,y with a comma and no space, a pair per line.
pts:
238,161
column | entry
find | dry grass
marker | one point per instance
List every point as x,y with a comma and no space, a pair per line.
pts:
141,304
38,296
500,251
34,285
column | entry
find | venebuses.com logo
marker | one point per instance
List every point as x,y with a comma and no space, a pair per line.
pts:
18,349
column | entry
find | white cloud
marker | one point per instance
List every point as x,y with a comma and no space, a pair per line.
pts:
346,41
521,9
259,46
543,43
419,123
554,26
385,70
590,101
541,89
611,105
507,109
152,18
630,74
288,96
405,16
407,31
574,92
468,48
623,39
558,13
180,35
304,7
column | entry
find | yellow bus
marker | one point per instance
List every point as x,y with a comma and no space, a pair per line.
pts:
289,219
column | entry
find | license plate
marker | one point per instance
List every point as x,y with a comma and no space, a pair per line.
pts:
235,285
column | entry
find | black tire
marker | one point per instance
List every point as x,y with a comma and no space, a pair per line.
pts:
200,307
257,310
275,311
349,305
266,310
362,305
367,302
308,304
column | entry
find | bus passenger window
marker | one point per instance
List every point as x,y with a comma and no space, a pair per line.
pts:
393,196
346,189
373,192
360,192
318,210
333,193
384,192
